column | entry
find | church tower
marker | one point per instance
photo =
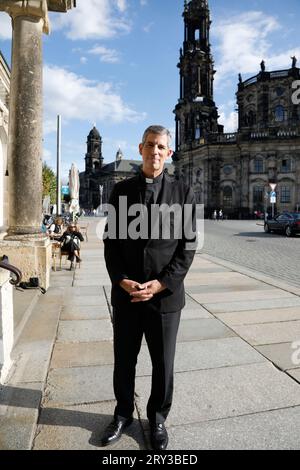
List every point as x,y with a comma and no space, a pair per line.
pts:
93,158
196,112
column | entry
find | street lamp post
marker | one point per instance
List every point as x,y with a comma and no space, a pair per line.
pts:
101,196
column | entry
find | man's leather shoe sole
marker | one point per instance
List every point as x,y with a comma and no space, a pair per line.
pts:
115,430
158,436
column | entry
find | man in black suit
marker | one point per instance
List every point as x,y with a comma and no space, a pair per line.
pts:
147,263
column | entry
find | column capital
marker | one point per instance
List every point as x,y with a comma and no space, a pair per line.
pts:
29,8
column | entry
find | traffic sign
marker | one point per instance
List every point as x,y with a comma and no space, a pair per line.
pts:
273,197
65,190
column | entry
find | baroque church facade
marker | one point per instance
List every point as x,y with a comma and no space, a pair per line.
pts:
99,175
233,171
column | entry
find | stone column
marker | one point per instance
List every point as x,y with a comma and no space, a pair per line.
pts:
25,128
26,246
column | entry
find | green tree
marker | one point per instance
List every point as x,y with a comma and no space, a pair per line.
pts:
49,183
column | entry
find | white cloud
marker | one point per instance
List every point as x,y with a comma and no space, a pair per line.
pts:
228,118
77,98
5,26
143,3
243,42
105,54
148,27
94,19
47,155
83,60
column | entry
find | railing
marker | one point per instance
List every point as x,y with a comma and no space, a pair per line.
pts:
4,264
229,137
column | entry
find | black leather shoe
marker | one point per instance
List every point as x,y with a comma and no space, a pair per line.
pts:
114,430
158,436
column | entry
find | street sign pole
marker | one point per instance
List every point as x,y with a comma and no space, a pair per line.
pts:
273,198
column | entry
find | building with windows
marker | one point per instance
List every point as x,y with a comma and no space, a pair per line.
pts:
233,171
4,103
97,174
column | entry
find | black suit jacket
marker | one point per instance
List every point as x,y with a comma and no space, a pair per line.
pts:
167,260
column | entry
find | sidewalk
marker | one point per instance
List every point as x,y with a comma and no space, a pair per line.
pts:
236,386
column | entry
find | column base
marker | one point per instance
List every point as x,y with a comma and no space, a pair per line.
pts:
31,254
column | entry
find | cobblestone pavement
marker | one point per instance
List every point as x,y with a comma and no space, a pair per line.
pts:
245,243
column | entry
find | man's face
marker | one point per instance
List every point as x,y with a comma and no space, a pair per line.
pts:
155,152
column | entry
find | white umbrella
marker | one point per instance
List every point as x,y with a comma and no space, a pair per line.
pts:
74,189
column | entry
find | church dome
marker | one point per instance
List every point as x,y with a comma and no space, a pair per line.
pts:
94,134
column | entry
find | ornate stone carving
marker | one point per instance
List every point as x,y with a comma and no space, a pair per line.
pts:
33,8
36,8
61,5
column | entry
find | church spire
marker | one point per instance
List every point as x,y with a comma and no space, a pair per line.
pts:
196,113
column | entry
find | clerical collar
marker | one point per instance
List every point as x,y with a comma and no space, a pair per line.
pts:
155,180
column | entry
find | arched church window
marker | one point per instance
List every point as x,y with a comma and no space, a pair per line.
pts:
286,165
258,194
197,35
258,165
285,195
279,113
227,196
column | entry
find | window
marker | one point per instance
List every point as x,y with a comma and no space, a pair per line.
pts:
286,165
227,196
258,165
285,195
198,35
279,91
197,133
279,113
258,194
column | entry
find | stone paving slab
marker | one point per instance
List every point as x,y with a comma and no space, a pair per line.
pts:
240,296
190,303
222,278
18,414
253,305
81,427
260,316
84,331
295,373
268,333
78,385
276,430
82,354
85,313
86,301
225,392
84,291
281,354
194,313
207,354
208,269
194,330
87,282
217,289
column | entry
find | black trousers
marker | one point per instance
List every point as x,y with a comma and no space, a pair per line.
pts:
160,331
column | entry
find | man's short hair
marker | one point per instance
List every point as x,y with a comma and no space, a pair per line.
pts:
159,130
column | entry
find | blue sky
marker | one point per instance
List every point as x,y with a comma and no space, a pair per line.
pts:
113,63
